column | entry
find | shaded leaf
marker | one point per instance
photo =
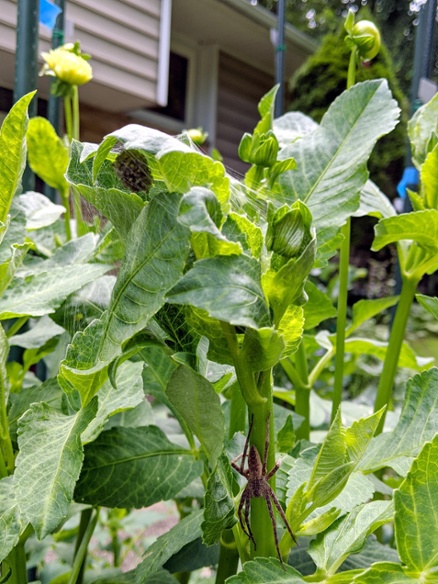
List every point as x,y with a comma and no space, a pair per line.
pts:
127,394
44,330
364,310
187,530
49,463
319,307
263,570
156,250
134,467
429,303
195,400
227,287
291,126
219,502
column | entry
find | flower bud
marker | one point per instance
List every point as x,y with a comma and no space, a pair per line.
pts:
259,149
366,36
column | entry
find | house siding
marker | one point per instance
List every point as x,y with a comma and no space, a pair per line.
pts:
240,88
123,38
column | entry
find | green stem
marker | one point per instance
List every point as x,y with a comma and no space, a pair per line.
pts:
7,459
16,326
16,563
68,118
76,116
341,321
261,523
344,260
86,528
302,393
245,377
228,557
386,382
65,196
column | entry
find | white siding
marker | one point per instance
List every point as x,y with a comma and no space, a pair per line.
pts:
123,38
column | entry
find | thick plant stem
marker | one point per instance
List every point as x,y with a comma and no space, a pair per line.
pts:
341,321
228,557
386,383
302,393
263,415
16,564
86,528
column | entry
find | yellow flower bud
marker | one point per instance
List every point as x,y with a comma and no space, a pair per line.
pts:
67,66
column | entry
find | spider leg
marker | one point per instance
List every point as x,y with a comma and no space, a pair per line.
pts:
238,468
244,505
273,470
247,521
272,496
267,496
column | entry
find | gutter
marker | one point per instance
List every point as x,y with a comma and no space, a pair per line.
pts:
269,21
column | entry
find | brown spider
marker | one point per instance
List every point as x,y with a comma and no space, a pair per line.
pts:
258,486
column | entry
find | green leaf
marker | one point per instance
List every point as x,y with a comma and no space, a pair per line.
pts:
429,303
418,423
39,210
156,250
384,573
183,170
377,349
9,268
318,307
121,208
263,570
374,203
10,522
416,513
43,293
429,180
332,454
291,126
262,348
157,372
219,503
359,435
127,394
348,534
252,232
134,467
331,161
48,155
227,287
421,129
189,393
187,530
81,374
13,149
364,310
418,226
291,328
43,331
49,463
266,110
286,286
201,213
